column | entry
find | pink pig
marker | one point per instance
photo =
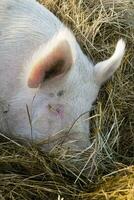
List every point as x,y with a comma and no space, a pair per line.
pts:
45,78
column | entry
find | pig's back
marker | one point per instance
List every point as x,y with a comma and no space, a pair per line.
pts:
24,26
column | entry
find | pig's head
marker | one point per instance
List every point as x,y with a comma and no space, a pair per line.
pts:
62,83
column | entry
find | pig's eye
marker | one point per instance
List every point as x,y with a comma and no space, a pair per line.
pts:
60,93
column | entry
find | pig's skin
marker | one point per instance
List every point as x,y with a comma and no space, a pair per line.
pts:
28,31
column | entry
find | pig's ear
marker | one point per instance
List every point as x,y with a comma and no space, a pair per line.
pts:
105,69
53,59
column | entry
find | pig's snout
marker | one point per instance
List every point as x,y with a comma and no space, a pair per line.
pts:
57,110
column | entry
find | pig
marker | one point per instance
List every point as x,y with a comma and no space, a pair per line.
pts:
46,81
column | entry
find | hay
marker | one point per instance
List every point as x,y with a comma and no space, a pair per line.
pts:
105,170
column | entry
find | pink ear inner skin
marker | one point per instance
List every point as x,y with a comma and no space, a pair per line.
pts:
57,62
36,76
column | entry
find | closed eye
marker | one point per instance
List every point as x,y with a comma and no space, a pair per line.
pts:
60,93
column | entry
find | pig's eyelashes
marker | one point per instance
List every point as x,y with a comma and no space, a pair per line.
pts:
60,93
51,94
